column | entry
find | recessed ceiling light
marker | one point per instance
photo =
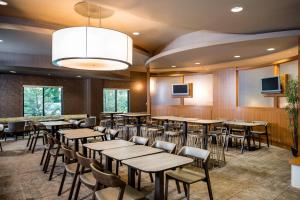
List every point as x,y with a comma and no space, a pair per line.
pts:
78,76
237,56
3,3
236,9
270,49
136,33
173,66
197,63
13,72
1,40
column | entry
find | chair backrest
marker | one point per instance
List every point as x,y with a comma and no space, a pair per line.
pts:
16,126
1,128
90,122
139,140
113,133
69,153
263,123
101,129
108,179
83,161
198,153
52,140
167,146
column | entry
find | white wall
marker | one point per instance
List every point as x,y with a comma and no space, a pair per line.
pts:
202,90
250,87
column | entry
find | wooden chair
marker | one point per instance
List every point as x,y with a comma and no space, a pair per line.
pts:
70,168
35,136
84,172
112,134
258,133
53,151
139,140
188,176
167,147
236,134
88,122
114,187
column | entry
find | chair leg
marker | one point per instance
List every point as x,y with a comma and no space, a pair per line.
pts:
166,187
73,185
44,152
77,190
35,141
53,166
1,147
267,139
178,186
46,163
139,180
151,177
185,189
28,140
62,182
117,167
243,145
31,142
188,191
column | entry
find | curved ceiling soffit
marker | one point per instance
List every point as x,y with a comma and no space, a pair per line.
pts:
204,38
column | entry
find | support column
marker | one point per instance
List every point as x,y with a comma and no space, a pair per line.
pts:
148,91
276,72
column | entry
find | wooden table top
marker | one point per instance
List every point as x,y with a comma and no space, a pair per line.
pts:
174,118
205,121
157,162
135,114
240,123
55,123
80,133
109,113
100,146
134,151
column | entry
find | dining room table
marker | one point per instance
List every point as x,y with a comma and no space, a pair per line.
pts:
123,153
156,163
112,117
55,126
80,134
138,117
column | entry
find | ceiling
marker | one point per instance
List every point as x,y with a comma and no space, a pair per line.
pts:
26,27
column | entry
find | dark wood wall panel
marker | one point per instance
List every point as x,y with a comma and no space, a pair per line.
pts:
11,93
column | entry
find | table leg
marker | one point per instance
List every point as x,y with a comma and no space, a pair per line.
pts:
131,176
111,121
108,163
166,125
84,150
159,185
138,126
205,136
185,131
76,143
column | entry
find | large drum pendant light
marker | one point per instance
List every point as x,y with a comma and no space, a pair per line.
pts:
91,48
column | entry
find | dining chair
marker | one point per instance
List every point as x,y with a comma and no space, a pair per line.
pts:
114,187
238,135
53,151
259,133
85,175
188,176
37,129
167,147
89,122
139,140
112,134
70,168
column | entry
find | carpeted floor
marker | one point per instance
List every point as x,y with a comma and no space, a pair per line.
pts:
263,174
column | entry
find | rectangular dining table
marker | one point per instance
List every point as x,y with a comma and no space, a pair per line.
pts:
111,115
138,117
123,153
55,125
158,164
80,134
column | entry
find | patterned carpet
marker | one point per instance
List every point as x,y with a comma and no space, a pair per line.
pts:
263,174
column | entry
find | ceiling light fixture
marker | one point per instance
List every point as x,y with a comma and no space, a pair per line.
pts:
78,76
237,56
136,33
13,72
1,40
237,9
197,63
3,3
271,49
91,48
173,66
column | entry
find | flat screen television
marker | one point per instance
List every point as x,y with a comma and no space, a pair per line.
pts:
180,90
271,85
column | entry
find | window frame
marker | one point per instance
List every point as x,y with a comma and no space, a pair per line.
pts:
43,87
116,98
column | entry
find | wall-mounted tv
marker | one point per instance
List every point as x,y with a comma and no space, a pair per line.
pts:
271,85
180,90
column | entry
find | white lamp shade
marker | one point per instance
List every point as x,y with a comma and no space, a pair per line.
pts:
91,48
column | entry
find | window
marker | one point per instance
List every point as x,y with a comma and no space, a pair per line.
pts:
115,100
42,101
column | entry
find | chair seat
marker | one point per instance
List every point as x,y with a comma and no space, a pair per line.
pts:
88,179
186,175
236,136
71,168
53,152
112,193
171,133
237,130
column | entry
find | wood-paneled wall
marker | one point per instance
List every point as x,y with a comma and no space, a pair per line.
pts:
225,107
